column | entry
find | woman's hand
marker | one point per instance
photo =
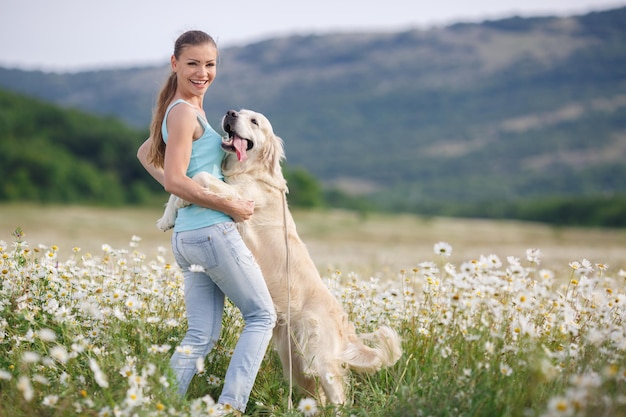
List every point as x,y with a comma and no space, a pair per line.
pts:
241,210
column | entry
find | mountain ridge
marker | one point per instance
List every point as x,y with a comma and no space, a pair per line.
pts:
505,109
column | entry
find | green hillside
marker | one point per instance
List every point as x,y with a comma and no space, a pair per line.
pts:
50,154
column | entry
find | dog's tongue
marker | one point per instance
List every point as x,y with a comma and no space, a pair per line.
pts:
241,145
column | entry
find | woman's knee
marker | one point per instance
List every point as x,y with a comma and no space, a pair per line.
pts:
265,317
201,337
273,317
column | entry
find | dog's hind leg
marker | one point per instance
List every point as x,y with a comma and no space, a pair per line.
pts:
302,376
333,382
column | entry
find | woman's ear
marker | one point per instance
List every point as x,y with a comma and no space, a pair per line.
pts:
173,63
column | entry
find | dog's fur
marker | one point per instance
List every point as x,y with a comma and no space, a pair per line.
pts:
324,343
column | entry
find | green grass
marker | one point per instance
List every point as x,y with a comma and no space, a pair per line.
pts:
90,332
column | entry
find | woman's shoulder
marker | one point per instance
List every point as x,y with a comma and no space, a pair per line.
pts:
189,107
175,105
186,111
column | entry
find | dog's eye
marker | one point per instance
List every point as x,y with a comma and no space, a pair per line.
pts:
254,122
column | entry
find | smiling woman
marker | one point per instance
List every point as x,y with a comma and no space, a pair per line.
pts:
206,244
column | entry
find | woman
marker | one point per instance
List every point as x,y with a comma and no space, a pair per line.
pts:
205,235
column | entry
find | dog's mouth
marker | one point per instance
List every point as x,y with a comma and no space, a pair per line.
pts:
236,144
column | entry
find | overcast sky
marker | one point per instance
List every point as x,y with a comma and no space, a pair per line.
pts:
70,35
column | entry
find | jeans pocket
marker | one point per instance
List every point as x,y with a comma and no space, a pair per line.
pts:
226,227
199,251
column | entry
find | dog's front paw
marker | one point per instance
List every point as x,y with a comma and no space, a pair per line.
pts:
165,224
180,203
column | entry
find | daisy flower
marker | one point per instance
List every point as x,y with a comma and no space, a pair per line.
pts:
213,380
50,400
59,353
506,370
442,248
534,255
99,376
308,407
25,387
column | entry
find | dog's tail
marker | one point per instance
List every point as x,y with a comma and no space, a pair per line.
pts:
385,350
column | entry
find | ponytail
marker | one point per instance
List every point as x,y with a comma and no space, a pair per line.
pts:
156,156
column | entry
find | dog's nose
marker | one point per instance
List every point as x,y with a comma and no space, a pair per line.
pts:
232,113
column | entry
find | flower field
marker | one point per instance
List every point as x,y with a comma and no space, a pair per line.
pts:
91,335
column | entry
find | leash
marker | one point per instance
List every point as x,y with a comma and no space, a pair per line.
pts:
288,270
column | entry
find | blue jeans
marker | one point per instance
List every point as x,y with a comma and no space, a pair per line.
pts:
229,270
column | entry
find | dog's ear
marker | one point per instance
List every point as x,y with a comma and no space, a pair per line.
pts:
274,153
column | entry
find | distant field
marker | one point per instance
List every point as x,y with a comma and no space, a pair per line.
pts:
374,244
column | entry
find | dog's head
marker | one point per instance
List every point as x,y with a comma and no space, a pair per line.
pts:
250,140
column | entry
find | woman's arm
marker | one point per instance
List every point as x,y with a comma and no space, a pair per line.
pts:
142,155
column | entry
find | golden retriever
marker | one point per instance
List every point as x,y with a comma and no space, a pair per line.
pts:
324,343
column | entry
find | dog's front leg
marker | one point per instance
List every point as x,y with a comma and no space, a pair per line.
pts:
216,186
166,221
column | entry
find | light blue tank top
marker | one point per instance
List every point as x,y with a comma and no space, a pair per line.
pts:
206,155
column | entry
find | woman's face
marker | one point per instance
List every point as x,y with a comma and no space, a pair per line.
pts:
195,68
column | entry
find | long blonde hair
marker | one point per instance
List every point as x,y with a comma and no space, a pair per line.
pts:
156,156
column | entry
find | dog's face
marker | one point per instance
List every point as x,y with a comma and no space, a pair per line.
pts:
247,131
251,144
